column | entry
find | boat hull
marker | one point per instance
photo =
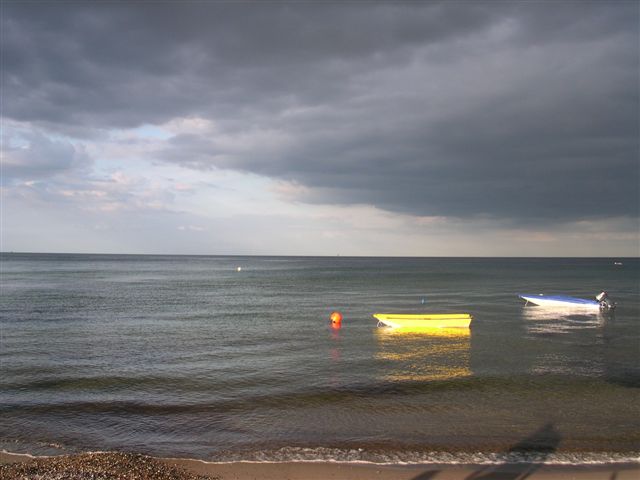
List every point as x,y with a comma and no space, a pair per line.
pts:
419,321
560,301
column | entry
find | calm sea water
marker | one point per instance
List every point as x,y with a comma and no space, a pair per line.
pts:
187,356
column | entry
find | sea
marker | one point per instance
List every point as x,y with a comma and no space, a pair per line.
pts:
234,358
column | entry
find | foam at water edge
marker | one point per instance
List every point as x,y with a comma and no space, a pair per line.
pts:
360,456
296,454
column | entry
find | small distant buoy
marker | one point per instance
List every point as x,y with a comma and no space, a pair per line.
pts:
336,318
239,269
424,300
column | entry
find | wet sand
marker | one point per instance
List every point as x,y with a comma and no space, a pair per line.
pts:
123,466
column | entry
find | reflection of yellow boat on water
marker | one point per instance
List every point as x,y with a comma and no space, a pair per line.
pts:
418,321
423,354
432,331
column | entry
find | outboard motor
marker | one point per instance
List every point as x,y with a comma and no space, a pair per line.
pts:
605,301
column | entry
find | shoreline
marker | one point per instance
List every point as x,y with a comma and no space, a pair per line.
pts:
83,465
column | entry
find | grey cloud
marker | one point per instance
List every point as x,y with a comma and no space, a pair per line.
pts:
127,64
37,157
518,110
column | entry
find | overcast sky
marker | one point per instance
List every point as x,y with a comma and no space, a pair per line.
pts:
321,128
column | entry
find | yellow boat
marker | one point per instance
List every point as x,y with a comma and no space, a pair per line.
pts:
434,320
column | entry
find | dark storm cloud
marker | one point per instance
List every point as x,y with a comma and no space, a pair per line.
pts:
125,64
523,110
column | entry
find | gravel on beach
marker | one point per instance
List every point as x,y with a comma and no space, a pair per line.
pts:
96,466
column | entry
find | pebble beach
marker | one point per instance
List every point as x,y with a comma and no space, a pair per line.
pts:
94,466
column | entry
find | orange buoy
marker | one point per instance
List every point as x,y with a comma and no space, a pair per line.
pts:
336,318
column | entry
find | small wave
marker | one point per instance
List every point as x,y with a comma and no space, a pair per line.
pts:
359,455
373,457
33,448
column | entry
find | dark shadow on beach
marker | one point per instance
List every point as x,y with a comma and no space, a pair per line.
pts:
542,443
426,475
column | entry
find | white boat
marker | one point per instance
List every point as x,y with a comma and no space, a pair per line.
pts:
601,301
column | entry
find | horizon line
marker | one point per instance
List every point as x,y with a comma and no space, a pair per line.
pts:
13,252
